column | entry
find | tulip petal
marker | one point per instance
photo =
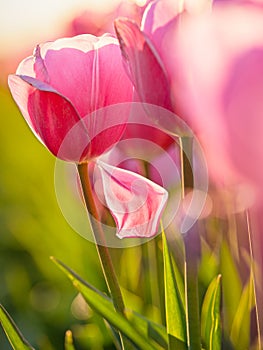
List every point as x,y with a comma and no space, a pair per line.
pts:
26,67
84,69
39,66
143,64
49,115
135,202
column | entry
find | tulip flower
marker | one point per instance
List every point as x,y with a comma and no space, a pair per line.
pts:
66,80
74,95
65,92
148,51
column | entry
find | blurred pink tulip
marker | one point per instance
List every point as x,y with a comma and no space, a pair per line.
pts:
143,64
99,20
223,91
149,52
150,80
62,84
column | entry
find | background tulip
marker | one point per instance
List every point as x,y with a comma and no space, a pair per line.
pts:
221,72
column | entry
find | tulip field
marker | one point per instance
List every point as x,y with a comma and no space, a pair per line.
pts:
131,176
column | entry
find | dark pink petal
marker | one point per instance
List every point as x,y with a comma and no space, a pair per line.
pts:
105,128
143,63
49,115
57,124
135,202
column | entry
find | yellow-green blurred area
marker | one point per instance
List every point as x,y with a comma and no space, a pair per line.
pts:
32,228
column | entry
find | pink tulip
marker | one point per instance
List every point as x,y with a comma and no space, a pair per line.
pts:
72,93
143,64
66,82
149,51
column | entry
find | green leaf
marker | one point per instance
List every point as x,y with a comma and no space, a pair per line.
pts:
149,328
175,313
13,334
240,332
210,316
69,341
231,286
104,306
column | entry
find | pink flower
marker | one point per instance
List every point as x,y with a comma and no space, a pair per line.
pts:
143,63
72,93
99,20
67,81
149,51
223,89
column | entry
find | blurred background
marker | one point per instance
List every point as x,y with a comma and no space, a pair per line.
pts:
38,296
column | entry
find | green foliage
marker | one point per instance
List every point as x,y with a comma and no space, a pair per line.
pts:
210,316
105,308
69,341
175,312
231,285
16,339
148,328
240,331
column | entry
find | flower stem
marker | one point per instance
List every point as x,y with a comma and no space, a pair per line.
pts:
103,251
192,251
253,274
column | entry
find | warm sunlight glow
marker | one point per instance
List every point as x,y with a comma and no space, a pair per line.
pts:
30,21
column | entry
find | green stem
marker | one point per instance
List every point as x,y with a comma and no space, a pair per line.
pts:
192,251
155,266
102,249
252,271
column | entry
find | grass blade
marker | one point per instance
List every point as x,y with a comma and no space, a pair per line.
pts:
69,341
210,316
103,306
150,329
13,334
230,277
240,332
175,313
